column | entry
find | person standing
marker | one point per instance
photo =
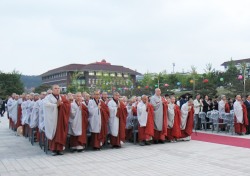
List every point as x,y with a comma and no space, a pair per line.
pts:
78,124
240,119
187,119
145,112
174,121
197,109
117,121
247,104
160,116
56,117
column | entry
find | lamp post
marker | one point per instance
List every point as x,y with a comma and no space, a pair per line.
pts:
173,67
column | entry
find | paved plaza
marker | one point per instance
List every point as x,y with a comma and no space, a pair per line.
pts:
19,157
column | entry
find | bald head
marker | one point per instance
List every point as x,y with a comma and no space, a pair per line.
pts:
238,97
116,95
56,89
158,92
144,99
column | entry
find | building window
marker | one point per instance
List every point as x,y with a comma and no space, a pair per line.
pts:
105,74
99,74
91,73
125,75
119,75
112,74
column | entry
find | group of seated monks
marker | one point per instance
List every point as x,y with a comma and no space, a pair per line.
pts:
107,120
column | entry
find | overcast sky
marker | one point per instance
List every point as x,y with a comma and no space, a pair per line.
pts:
146,35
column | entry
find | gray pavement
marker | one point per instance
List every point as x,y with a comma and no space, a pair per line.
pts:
19,157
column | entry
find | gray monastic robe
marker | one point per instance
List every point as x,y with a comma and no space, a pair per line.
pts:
156,101
95,120
75,120
50,110
13,109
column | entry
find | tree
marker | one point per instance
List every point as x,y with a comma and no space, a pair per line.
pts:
77,84
10,83
42,88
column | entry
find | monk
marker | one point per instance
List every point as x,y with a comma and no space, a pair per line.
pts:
95,120
240,119
174,120
160,117
9,104
187,120
117,121
56,118
78,124
13,111
24,107
19,110
105,117
145,112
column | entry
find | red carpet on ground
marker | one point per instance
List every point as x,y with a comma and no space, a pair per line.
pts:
225,140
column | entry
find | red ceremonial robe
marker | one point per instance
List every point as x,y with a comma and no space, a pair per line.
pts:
144,133
161,135
105,120
19,116
122,115
189,124
59,140
97,138
175,132
241,128
82,139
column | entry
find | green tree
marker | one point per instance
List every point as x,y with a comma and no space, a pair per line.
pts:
77,84
10,83
42,88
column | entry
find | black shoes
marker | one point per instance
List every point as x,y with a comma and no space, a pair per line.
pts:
142,143
116,147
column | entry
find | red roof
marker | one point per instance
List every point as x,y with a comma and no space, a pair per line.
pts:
97,66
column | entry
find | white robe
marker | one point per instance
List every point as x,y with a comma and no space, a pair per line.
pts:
50,110
29,108
75,120
13,110
113,120
24,111
171,115
221,106
41,116
34,117
158,111
9,104
142,114
184,115
238,112
95,120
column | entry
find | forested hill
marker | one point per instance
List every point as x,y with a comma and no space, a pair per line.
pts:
31,81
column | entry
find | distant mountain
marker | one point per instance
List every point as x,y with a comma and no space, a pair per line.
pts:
31,81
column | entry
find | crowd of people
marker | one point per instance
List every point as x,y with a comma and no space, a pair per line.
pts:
110,120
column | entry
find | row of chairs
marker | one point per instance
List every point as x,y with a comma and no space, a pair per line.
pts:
218,120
